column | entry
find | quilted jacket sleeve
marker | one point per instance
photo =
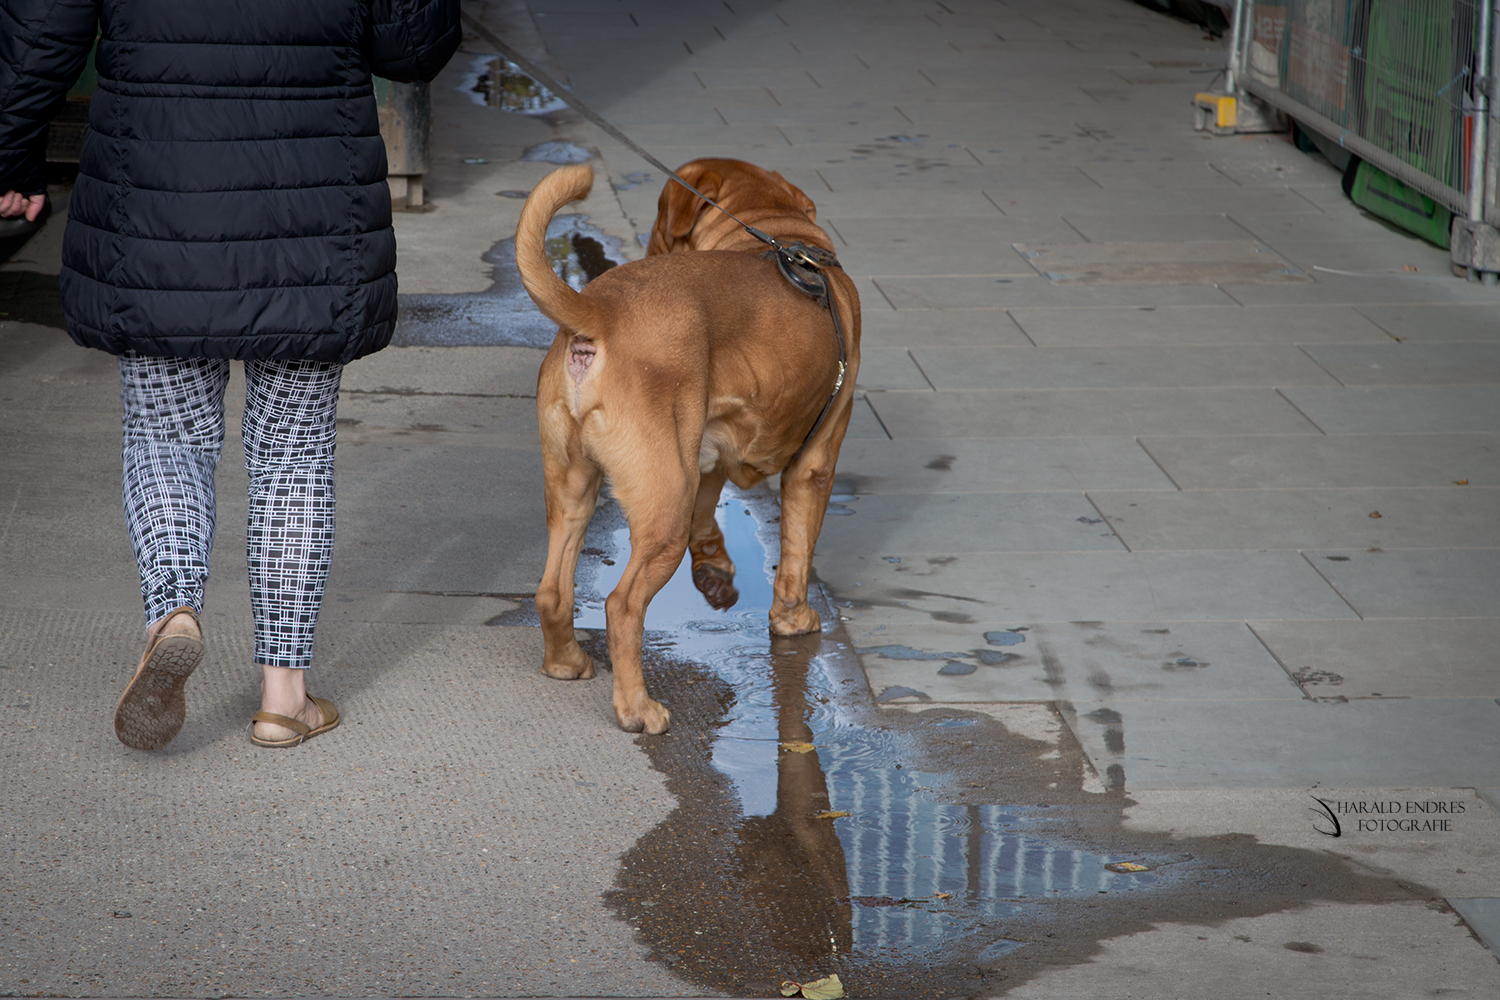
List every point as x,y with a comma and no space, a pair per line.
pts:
412,40
43,46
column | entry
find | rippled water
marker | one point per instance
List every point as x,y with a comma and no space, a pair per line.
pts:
915,872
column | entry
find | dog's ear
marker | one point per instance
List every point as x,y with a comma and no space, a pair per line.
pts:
803,202
678,209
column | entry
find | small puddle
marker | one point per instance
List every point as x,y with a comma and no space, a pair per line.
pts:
499,83
503,315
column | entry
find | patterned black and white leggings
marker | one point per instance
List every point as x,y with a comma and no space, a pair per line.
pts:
174,432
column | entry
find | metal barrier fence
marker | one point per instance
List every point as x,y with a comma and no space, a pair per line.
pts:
1402,84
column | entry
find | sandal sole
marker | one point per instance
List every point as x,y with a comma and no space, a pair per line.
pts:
151,711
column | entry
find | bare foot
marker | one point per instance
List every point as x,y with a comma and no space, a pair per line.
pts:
283,691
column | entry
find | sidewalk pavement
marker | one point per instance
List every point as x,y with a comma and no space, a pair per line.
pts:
1159,427
1149,443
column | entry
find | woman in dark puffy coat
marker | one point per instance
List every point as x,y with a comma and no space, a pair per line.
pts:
231,203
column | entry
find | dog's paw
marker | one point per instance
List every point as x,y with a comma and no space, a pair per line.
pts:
644,716
571,665
717,585
801,620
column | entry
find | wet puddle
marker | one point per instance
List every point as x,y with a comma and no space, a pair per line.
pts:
504,315
821,842
499,83
916,855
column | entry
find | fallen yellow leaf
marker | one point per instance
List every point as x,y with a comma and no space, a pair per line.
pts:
943,895
830,814
828,988
1460,482
796,747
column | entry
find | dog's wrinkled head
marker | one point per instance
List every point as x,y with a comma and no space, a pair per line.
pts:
686,222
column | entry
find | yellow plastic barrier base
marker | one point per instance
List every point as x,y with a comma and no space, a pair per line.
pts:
1216,113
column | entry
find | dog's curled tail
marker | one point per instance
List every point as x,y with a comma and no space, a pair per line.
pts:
553,296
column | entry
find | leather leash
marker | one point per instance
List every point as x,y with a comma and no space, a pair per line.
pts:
795,261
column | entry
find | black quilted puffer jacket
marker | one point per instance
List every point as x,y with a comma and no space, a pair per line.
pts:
231,198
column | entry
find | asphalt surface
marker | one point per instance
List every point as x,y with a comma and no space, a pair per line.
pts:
1102,582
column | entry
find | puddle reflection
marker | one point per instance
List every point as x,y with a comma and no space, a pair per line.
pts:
902,872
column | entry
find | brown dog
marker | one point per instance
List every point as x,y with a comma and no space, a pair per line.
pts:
668,376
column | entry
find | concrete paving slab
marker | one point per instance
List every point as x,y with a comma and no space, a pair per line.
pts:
1100,202
938,170
1372,288
961,203
1483,917
987,292
1003,465
1415,583
1173,263
881,117
1292,743
1155,228
446,371
982,237
1070,412
936,262
404,413
1381,952
1276,227
889,368
1463,859
1281,168
1181,325
410,802
1005,590
1373,258
658,136
1445,517
964,522
53,374
1341,461
1178,366
884,327
864,424
1406,409
1079,661
1389,658
1158,176
1450,323
1408,364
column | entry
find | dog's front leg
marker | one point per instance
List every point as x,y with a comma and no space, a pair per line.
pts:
806,485
804,498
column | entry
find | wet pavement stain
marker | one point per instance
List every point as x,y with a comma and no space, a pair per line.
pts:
916,855
503,315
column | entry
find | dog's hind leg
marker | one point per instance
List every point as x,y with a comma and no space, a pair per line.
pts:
572,488
659,514
713,570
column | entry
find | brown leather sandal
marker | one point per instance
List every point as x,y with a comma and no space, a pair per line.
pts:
152,709
303,730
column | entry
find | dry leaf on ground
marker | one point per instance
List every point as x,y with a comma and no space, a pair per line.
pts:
828,988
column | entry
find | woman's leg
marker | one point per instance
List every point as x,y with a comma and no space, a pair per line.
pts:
173,435
290,409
